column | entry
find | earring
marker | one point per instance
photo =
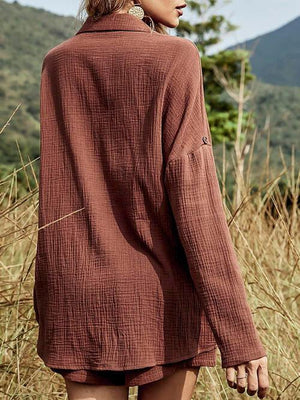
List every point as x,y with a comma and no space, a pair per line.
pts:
137,11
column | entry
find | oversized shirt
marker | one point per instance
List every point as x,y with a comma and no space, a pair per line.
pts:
135,265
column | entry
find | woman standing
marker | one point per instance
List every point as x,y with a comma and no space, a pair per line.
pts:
136,279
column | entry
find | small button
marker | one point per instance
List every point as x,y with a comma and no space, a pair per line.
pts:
204,139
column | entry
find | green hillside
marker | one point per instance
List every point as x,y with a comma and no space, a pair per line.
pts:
276,55
26,34
282,106
277,111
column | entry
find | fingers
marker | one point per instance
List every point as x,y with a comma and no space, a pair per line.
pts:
241,378
230,376
237,377
252,378
258,380
253,374
263,380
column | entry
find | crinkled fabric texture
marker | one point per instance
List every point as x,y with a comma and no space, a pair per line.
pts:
135,266
137,377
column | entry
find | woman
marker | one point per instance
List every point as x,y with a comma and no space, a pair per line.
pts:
136,279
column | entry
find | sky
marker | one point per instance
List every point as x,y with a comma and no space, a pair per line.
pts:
254,17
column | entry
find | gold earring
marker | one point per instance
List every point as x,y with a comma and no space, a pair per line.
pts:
137,11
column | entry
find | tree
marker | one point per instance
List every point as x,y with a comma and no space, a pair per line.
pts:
222,71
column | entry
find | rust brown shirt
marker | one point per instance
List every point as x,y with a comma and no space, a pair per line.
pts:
135,265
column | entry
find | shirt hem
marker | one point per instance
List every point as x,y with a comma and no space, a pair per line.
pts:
118,367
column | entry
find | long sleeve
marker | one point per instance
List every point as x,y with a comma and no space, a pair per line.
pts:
194,194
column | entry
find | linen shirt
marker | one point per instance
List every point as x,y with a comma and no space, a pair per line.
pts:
135,265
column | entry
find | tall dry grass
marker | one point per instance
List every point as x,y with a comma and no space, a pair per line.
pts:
264,224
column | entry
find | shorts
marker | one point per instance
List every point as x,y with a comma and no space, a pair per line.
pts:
137,377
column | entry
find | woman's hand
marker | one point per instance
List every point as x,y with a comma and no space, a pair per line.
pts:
254,374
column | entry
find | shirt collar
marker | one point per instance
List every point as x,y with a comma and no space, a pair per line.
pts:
114,22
